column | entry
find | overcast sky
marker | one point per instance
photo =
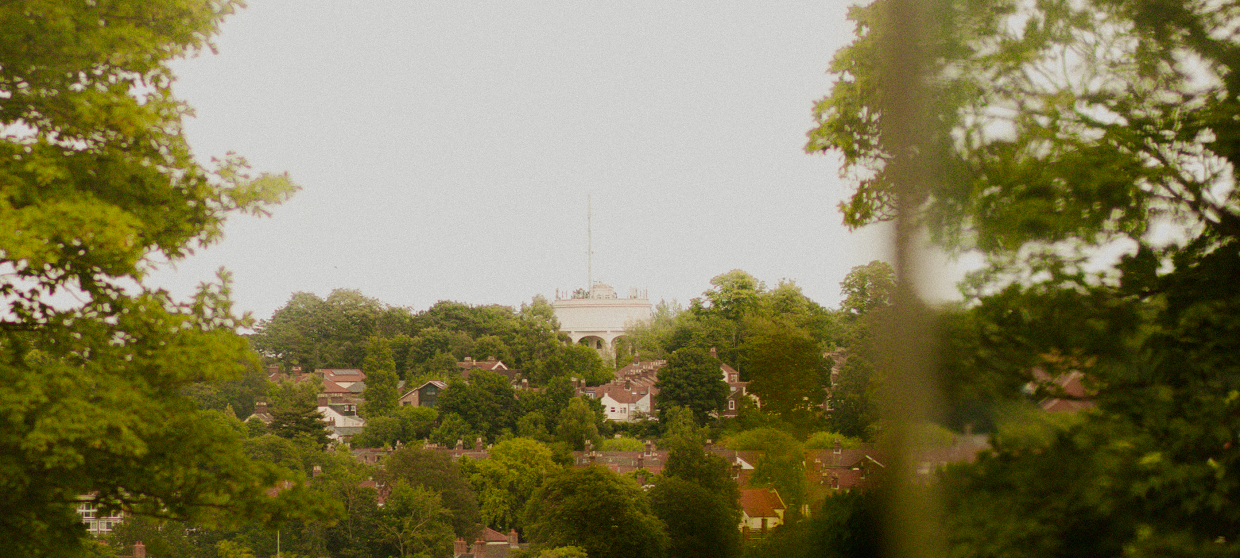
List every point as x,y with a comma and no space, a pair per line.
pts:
445,149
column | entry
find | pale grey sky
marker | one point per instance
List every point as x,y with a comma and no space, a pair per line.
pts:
446,148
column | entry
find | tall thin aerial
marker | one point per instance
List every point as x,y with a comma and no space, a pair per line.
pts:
589,248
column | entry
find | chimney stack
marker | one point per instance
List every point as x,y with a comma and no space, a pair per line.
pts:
479,445
512,538
139,550
459,547
480,548
318,470
714,352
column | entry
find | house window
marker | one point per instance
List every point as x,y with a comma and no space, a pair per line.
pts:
731,404
613,409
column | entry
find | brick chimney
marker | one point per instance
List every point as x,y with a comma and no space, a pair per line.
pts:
838,446
714,352
460,444
649,447
512,537
480,548
459,547
479,445
318,470
139,550
260,407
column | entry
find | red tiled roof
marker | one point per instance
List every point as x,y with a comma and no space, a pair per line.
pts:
761,502
491,535
617,392
332,387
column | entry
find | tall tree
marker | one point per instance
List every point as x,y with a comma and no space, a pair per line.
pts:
786,370
602,512
1041,169
488,403
437,472
699,523
98,182
579,423
506,480
380,369
415,523
692,379
868,287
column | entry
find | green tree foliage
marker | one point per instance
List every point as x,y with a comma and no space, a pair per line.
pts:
452,429
786,370
98,182
407,425
578,423
312,333
828,440
239,393
414,521
699,523
436,471
695,495
604,513
1039,169
650,340
781,466
299,418
848,525
692,379
380,369
572,360
488,403
867,288
505,481
161,539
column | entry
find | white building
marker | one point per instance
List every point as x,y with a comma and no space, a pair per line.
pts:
599,318
98,523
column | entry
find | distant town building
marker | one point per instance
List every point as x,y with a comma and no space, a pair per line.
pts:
97,522
598,317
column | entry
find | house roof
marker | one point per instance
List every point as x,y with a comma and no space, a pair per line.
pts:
491,535
761,502
471,364
619,394
332,387
641,368
341,374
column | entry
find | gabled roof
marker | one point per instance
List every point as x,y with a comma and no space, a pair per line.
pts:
761,502
491,535
492,365
341,374
332,387
617,393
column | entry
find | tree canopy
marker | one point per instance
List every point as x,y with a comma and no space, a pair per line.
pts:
97,184
1053,131
605,514
692,379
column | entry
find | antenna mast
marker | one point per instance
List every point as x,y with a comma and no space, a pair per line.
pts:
589,248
